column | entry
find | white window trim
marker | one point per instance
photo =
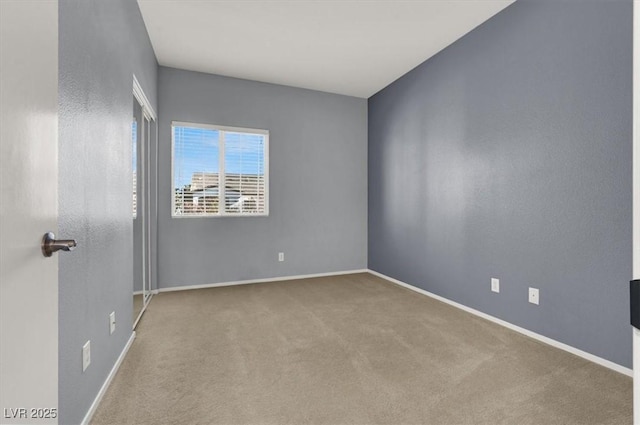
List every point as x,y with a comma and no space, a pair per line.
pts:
259,131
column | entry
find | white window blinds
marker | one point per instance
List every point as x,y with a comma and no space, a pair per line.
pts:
219,171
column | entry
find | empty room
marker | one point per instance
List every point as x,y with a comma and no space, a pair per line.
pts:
320,212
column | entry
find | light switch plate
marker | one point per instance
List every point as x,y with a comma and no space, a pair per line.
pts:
495,284
534,296
112,322
86,355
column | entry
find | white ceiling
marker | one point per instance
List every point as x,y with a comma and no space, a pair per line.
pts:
348,47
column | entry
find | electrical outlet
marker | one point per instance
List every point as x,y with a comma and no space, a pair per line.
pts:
86,355
112,322
495,284
281,256
534,296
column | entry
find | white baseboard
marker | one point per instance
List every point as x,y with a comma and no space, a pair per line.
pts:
269,279
557,344
153,291
107,382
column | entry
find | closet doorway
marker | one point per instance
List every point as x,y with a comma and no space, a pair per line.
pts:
143,137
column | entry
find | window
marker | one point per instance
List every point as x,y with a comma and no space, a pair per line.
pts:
219,171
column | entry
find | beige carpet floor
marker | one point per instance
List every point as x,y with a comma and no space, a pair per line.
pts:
350,349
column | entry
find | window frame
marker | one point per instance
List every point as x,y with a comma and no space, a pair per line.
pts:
222,128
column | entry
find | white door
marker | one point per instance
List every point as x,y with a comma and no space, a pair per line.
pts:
28,209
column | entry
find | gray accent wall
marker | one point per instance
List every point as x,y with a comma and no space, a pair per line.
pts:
508,155
317,183
102,44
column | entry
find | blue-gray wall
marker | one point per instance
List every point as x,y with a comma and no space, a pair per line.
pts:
508,155
317,183
102,44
